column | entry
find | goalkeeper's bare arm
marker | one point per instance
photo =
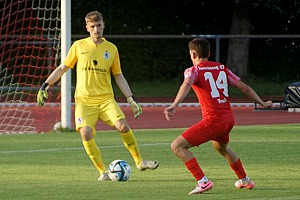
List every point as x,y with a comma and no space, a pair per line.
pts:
56,74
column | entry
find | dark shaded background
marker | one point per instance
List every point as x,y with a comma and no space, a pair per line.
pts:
164,59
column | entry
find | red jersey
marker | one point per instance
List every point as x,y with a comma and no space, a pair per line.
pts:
210,83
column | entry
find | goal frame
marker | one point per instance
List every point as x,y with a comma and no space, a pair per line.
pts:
66,103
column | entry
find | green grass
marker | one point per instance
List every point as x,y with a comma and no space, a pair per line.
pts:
55,166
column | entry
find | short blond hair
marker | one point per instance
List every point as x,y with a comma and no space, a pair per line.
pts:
93,16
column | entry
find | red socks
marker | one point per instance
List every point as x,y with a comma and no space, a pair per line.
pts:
238,169
193,166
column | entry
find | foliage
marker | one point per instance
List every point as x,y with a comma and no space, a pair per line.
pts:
187,17
275,59
153,60
160,60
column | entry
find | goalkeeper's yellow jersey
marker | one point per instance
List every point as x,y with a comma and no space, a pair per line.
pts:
94,65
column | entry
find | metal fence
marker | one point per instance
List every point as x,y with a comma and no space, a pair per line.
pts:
217,38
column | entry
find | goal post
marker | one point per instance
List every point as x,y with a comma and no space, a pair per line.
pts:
66,78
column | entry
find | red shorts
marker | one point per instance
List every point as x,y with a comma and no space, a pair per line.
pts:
212,128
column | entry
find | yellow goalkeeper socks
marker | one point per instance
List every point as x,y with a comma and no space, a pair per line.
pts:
131,144
93,151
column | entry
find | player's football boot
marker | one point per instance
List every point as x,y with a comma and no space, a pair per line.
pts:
104,177
242,183
202,187
148,164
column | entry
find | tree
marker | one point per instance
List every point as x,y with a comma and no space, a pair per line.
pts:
261,57
259,17
238,49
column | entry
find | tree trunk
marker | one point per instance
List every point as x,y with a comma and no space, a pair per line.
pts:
238,49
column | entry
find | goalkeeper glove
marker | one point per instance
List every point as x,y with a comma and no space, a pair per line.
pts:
42,94
136,108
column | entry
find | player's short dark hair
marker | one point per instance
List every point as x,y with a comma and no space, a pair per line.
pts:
201,46
93,16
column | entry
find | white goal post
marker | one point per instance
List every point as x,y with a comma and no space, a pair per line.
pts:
66,78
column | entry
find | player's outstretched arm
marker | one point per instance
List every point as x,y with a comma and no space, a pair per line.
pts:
54,76
182,93
247,90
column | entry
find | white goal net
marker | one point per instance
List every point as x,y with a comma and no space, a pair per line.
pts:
29,52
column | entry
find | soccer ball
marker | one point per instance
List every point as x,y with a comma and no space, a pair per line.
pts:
119,170
57,127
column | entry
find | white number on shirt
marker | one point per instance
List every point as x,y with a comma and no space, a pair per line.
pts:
220,83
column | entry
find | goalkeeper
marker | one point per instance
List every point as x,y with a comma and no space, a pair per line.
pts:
95,60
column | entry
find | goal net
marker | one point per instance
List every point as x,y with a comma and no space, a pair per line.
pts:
29,52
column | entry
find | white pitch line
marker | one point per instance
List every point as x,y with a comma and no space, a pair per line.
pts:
140,145
70,149
149,104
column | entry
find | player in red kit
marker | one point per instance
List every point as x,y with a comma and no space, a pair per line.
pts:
210,81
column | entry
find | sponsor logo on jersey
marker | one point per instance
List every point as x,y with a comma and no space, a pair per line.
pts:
218,67
95,69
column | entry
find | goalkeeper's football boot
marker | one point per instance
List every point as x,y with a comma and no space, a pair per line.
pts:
244,183
104,177
148,164
202,187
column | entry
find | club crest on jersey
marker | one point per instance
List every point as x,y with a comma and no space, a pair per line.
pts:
106,55
187,74
79,120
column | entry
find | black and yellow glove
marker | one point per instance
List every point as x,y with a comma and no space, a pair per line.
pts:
136,108
42,94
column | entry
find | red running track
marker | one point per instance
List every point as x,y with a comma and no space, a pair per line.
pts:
42,119
153,117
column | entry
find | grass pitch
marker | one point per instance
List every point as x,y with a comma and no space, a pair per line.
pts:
55,166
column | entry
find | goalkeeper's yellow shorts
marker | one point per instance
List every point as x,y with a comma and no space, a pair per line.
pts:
108,112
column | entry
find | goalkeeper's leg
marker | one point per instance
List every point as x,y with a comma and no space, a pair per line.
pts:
131,144
129,140
92,149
